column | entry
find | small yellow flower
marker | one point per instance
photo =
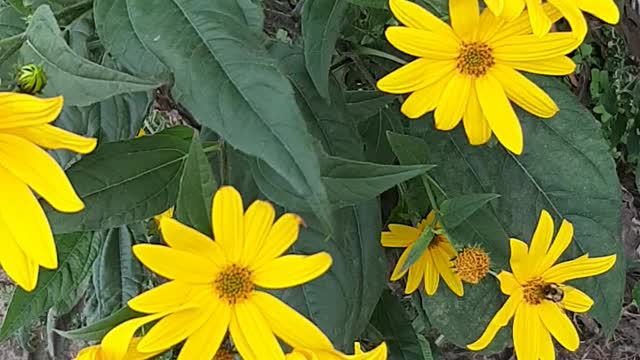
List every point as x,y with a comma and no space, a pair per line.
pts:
434,262
25,168
538,296
96,353
214,286
141,133
606,10
472,264
469,71
379,353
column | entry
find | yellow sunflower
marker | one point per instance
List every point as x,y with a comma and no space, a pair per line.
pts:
436,261
167,214
469,71
606,10
538,296
213,286
96,353
25,169
379,353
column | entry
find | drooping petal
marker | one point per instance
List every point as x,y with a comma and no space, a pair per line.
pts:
173,328
499,113
573,15
541,238
465,16
416,273
533,48
397,274
540,23
415,75
291,270
116,343
442,260
547,350
559,245
525,93
413,15
519,259
579,268
526,332
51,137
282,235
559,65
606,10
21,110
453,102
176,264
424,44
500,320
18,265
252,334
205,342
165,297
431,276
293,328
40,171
424,100
575,300
475,123
258,221
228,221
508,283
559,325
182,237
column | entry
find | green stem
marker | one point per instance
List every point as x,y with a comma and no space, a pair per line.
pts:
363,50
432,199
224,166
80,7
212,148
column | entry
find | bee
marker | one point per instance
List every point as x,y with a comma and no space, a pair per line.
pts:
553,292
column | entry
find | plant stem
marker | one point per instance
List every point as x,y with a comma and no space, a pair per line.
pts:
212,148
363,50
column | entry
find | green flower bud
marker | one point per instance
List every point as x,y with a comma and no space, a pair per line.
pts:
32,79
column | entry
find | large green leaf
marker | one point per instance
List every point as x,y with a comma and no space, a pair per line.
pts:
566,169
97,330
80,81
76,253
124,182
11,22
322,21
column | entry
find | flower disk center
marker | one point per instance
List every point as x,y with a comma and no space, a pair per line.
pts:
234,284
534,291
475,59
223,355
472,264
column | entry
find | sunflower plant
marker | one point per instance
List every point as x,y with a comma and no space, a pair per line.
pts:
303,180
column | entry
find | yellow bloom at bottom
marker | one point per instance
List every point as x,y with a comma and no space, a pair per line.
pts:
538,296
379,353
96,353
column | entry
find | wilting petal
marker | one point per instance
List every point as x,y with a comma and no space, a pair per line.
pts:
175,264
258,221
579,268
291,270
575,300
559,325
21,110
252,335
500,320
181,237
282,235
51,137
205,342
228,221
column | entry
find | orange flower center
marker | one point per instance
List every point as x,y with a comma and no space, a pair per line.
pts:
234,284
472,264
475,59
223,355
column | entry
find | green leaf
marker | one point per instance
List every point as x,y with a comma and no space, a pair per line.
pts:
97,330
376,4
363,104
76,253
373,132
635,294
80,81
419,247
322,21
454,211
124,182
197,186
410,150
222,72
11,22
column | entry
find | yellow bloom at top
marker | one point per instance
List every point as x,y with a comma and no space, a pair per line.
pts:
379,353
214,286
25,236
606,10
538,296
436,261
469,71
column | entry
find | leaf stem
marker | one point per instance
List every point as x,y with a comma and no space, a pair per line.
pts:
432,199
363,50
212,148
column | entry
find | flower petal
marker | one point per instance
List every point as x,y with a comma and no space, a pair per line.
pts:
294,329
540,23
475,123
500,320
442,260
18,266
282,235
258,221
116,343
519,259
465,16
453,102
399,236
205,342
424,100
547,350
415,75
521,24
134,354
541,238
579,268
21,110
573,15
526,332
252,335
291,270
559,65
496,6
559,325
606,10
172,329
414,16
40,171
499,113
51,137
164,298
182,237
533,48
431,276
508,283
575,300
175,264
559,245
512,9
228,219
397,274
525,93
416,273
420,43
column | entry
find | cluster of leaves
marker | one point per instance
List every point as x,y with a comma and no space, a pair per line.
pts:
303,126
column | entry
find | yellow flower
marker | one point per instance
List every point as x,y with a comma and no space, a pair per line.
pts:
472,264
606,10
538,295
214,285
436,261
25,168
379,353
166,214
469,71
96,353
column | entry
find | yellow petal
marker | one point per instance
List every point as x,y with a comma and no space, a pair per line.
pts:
575,300
40,171
415,75
293,328
547,350
525,93
252,335
559,245
521,24
540,23
395,239
573,15
431,276
420,43
499,113
205,342
18,266
416,273
541,238
89,353
606,10
465,16
519,260
475,123
21,110
181,237
25,221
559,65
175,264
291,270
442,261
258,221
526,332
51,137
397,274
409,233
559,325
173,328
164,298
508,282
500,320
424,100
413,15
282,235
579,268
453,102
533,48
512,9
116,343
496,6
228,221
